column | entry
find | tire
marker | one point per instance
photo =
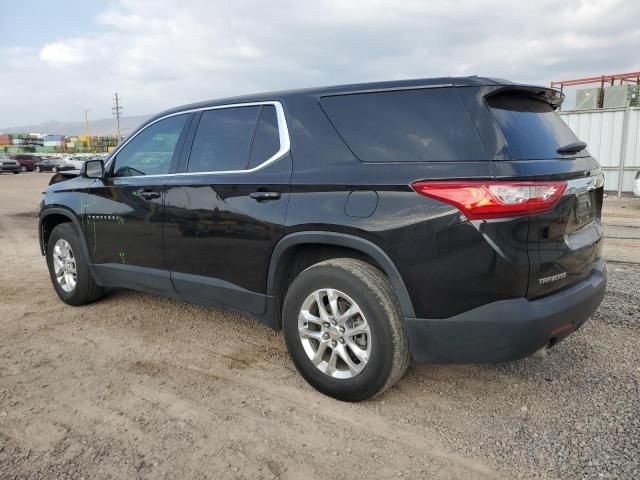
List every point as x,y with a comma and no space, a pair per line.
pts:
15,172
85,289
352,282
54,169
23,168
38,170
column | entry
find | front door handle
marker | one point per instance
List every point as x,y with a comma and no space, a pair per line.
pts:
148,194
264,196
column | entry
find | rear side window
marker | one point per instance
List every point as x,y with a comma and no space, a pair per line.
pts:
223,139
425,125
266,142
532,128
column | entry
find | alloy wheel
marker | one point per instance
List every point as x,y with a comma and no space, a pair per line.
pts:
64,264
334,333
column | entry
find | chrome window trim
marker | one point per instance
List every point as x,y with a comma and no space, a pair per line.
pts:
586,184
283,130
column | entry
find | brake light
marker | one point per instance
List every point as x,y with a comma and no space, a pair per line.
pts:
479,200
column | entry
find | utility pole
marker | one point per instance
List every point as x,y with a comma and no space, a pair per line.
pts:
623,142
86,129
117,110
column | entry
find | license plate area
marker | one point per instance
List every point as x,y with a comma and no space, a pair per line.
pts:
584,209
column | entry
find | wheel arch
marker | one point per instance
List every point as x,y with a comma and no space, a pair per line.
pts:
364,249
50,218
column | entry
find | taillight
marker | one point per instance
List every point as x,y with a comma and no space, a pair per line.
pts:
494,199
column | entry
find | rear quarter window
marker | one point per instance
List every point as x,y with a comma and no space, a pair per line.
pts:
422,125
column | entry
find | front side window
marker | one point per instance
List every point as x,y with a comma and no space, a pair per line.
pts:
223,139
152,151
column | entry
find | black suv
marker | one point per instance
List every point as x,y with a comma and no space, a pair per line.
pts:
448,220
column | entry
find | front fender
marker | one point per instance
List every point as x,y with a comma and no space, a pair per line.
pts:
70,216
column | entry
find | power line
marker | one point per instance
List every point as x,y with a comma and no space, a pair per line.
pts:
117,110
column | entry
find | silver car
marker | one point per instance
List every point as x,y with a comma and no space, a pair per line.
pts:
8,164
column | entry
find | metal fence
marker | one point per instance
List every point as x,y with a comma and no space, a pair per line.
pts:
612,136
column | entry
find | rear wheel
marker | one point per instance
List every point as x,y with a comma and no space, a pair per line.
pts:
23,168
16,171
69,267
54,169
344,331
38,170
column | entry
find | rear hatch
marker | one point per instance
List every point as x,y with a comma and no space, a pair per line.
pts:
564,243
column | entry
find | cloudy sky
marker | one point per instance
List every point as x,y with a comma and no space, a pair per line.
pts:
58,58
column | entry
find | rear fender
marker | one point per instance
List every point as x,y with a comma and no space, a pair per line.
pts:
349,241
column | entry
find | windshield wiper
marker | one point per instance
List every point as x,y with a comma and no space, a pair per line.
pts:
570,148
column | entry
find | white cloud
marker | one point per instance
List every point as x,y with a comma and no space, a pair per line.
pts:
159,53
61,53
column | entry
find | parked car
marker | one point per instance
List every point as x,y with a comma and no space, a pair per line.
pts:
53,165
636,185
27,161
77,161
448,220
8,164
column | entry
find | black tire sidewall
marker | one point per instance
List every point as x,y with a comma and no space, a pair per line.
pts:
79,294
373,378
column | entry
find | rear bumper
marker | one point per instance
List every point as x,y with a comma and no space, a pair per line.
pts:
7,168
508,329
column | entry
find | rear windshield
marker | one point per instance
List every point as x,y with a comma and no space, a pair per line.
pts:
424,125
532,128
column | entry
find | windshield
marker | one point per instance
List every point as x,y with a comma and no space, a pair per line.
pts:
532,128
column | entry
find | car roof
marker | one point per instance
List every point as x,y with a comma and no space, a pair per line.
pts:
337,89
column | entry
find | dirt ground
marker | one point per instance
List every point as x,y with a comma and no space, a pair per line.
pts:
137,386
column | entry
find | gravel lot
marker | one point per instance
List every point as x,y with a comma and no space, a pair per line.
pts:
144,387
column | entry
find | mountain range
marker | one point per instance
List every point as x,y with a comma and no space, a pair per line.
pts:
104,126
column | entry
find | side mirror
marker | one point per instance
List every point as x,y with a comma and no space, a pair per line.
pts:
93,169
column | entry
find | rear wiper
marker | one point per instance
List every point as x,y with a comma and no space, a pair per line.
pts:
570,148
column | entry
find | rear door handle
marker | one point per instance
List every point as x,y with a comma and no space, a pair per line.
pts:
264,196
148,194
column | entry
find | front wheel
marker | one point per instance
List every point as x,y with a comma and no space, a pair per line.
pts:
344,331
54,169
23,168
38,170
69,267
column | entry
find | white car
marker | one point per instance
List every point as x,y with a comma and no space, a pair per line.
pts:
77,162
636,185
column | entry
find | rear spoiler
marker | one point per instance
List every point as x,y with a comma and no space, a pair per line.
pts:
548,95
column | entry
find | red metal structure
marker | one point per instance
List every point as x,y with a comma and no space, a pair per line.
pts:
630,77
